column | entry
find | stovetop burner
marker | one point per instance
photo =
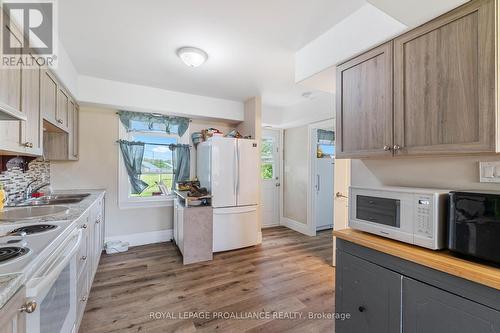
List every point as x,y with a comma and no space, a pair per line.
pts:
9,253
34,229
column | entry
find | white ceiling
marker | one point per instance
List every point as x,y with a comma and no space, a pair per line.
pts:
251,44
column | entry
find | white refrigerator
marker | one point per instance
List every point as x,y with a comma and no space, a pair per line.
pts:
229,169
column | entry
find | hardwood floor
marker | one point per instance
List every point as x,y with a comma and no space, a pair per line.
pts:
289,274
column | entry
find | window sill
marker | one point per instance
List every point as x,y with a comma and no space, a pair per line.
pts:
136,203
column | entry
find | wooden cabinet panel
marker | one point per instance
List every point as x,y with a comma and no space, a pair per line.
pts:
364,104
444,84
10,81
62,114
11,319
31,129
370,293
73,130
49,97
427,309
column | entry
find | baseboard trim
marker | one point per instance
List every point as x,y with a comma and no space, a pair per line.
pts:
144,238
296,226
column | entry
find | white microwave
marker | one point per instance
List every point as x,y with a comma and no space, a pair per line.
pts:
411,215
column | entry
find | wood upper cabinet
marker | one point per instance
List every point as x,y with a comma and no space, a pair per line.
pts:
444,84
31,129
73,113
364,104
62,114
10,81
48,96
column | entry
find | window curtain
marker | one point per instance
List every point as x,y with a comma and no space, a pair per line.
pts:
326,136
182,163
133,154
139,121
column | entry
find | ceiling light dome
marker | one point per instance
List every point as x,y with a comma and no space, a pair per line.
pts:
192,56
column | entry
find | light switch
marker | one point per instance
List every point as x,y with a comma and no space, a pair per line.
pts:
489,172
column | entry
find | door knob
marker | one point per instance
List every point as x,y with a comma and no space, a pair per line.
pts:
28,307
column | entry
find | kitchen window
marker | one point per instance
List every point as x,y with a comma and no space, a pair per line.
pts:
157,168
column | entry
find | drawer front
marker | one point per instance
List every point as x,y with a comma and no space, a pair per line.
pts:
427,309
370,293
82,256
82,294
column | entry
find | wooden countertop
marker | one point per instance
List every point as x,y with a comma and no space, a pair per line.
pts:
442,261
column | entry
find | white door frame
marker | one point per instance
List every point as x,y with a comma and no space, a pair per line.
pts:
280,173
311,162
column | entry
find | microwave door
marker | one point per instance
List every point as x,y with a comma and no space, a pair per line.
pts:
384,211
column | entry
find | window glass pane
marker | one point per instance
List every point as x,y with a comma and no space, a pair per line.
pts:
267,171
325,151
267,150
157,165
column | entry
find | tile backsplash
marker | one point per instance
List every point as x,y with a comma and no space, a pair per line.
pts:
15,180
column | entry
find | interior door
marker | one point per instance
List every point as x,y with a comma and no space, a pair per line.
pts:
269,175
224,165
247,178
324,165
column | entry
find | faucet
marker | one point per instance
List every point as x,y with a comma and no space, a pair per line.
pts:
29,190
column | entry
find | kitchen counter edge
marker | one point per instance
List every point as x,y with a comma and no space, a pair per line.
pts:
442,261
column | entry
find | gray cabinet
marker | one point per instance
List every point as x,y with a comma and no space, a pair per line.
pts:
369,293
427,309
444,84
364,104
431,91
384,294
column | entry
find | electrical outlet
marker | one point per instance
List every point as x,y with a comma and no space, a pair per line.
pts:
489,172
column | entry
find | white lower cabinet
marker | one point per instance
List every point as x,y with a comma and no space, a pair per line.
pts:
12,318
92,225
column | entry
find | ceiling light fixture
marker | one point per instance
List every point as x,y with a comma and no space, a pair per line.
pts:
192,56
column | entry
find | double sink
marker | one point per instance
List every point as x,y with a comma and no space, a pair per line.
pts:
40,207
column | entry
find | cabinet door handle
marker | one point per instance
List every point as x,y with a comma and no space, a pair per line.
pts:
387,148
84,258
84,226
28,145
59,121
361,309
28,307
397,147
84,298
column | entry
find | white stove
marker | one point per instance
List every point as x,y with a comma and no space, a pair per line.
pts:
22,243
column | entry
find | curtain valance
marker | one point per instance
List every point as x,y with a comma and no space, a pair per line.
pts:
139,121
326,136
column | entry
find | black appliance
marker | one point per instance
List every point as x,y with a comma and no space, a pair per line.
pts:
474,225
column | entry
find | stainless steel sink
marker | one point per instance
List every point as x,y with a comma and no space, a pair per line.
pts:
55,199
80,196
27,213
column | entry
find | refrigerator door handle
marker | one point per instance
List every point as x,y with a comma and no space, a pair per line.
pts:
235,187
237,169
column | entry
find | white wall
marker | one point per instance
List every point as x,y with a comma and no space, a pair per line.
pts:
98,168
133,97
295,175
359,31
319,107
436,172
415,12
